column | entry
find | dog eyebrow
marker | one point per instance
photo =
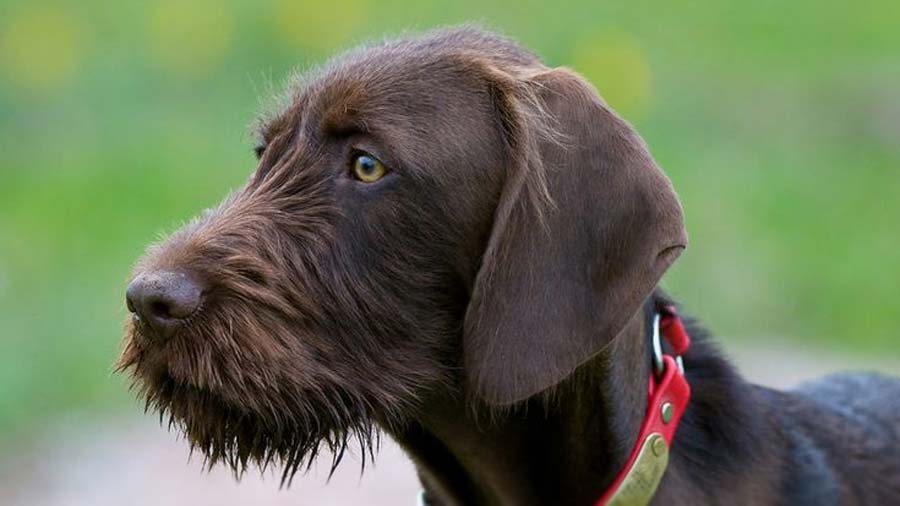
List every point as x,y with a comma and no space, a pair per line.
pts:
342,120
344,129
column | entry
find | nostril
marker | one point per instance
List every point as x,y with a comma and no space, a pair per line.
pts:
160,308
161,298
177,304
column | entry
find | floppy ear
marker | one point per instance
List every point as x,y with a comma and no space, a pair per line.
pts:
585,227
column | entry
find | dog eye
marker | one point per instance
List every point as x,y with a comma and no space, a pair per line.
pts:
368,169
259,149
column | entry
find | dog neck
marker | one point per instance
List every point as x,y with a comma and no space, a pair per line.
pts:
562,447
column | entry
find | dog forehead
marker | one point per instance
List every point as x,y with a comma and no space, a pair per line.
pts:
410,93
391,90
410,78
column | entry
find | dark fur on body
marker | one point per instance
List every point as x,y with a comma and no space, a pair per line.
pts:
486,303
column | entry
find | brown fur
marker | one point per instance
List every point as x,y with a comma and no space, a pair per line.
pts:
485,303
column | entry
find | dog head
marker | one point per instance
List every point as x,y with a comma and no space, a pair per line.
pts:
436,212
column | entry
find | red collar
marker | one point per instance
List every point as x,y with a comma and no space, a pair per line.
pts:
668,398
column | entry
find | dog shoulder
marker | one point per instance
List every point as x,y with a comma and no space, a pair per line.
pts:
842,436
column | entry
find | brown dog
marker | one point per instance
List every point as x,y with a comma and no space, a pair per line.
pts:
452,242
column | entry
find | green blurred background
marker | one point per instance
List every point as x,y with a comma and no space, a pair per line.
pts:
779,123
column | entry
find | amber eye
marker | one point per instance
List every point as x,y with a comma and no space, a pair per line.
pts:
368,169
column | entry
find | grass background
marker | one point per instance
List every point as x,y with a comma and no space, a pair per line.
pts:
779,123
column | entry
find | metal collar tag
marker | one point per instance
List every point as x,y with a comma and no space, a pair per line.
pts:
668,398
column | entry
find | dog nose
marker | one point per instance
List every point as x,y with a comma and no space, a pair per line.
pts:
162,299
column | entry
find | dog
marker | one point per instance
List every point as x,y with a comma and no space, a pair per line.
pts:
449,242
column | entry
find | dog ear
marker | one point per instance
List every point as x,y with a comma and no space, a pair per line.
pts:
585,226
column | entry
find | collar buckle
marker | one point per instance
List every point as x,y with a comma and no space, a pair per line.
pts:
668,397
667,323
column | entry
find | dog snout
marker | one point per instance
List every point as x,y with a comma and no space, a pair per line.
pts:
163,299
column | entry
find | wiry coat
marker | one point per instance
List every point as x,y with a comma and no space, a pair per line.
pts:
486,302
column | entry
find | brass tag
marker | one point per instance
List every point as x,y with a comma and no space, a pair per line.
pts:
640,483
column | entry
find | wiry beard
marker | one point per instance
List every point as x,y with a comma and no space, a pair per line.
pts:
288,356
254,423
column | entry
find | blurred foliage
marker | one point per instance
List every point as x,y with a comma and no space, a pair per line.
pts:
778,122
